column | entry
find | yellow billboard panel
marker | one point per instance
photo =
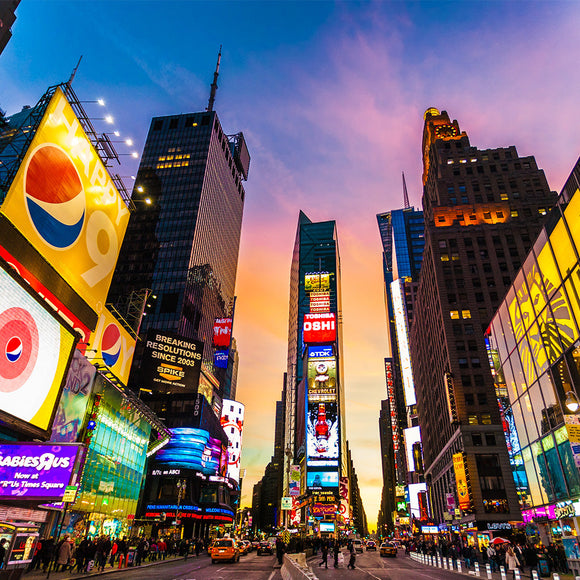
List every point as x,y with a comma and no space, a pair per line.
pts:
64,202
461,481
112,345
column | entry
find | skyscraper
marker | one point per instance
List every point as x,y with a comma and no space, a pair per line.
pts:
178,264
314,391
7,19
482,210
402,237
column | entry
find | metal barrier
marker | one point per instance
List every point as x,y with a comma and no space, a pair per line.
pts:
293,570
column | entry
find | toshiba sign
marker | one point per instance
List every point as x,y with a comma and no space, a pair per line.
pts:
319,327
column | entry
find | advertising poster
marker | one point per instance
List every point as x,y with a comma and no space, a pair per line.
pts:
320,327
319,301
461,481
322,480
294,483
72,406
171,362
222,332
220,359
64,202
322,379
232,421
322,442
113,345
317,282
36,470
344,487
412,435
36,350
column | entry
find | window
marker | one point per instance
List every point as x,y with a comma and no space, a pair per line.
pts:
469,399
463,365
542,211
503,196
158,125
466,314
454,314
514,213
173,123
475,363
499,214
476,439
490,439
481,398
472,420
486,419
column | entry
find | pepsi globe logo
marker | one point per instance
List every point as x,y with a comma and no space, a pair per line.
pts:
55,197
111,344
18,348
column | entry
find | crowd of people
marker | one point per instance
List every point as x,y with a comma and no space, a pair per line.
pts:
522,556
98,552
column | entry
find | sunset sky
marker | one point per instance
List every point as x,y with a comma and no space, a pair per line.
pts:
330,97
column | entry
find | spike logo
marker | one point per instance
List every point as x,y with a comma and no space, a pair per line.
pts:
55,197
111,344
19,346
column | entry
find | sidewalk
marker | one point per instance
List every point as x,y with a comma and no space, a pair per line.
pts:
38,574
494,575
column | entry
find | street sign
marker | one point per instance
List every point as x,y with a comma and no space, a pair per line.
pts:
286,503
70,493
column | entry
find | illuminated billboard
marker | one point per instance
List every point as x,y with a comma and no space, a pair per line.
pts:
320,351
72,406
322,437
320,327
171,362
220,359
112,345
36,471
192,448
232,420
322,379
322,480
392,409
319,301
461,480
317,282
414,490
402,327
35,350
412,436
222,332
64,202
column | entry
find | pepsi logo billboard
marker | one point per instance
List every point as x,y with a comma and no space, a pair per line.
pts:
112,345
35,351
319,327
64,202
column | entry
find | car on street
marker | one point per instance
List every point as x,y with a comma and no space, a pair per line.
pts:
371,545
265,548
249,545
224,549
242,547
358,545
388,549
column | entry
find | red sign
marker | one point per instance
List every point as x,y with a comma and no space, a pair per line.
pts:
320,327
222,332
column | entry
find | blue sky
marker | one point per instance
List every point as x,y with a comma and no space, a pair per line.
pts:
330,97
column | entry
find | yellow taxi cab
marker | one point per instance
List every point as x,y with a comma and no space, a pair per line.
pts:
242,547
388,549
224,549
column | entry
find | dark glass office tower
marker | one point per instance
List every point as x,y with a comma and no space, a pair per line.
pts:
7,19
183,238
482,209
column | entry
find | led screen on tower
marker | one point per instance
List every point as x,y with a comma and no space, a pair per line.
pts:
322,437
322,379
319,328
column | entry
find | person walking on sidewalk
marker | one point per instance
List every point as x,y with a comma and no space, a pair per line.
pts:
324,554
511,560
336,551
352,559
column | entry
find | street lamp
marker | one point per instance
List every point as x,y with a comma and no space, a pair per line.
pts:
571,402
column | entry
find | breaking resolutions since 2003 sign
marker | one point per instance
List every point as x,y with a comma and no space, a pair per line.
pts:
171,363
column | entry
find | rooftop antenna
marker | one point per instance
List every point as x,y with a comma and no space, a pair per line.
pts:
214,84
74,72
405,194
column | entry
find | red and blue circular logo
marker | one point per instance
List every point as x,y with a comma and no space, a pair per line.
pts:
18,348
111,344
55,197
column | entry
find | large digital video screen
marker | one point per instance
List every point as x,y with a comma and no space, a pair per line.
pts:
35,349
322,438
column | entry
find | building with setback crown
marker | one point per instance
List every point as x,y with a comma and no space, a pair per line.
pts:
178,263
482,211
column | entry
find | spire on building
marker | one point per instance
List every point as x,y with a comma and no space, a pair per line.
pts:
406,203
214,85
74,72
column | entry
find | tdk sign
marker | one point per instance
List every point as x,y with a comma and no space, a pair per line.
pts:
320,351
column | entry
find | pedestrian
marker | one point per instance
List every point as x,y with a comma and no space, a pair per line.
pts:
280,547
511,561
324,549
491,556
352,559
64,554
336,551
